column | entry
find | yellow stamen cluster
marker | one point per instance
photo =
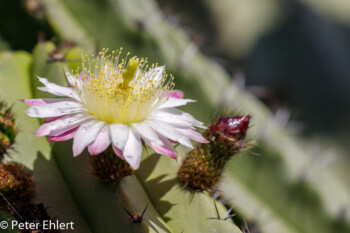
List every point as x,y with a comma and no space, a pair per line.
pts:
117,91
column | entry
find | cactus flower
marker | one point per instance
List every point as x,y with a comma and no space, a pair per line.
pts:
118,102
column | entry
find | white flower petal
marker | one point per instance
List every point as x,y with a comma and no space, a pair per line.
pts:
85,135
57,90
170,118
55,109
170,132
175,102
176,116
132,150
62,125
147,132
119,134
101,142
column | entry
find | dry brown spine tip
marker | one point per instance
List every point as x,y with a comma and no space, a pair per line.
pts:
136,217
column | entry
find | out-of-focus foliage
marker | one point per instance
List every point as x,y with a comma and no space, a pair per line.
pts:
241,23
337,10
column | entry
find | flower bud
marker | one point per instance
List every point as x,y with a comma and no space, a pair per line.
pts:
16,186
108,167
202,167
8,130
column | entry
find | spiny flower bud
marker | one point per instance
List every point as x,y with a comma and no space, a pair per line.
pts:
202,167
8,130
109,168
16,186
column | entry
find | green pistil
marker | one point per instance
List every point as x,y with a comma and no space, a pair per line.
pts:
130,71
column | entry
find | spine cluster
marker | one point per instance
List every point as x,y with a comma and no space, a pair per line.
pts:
8,130
109,168
202,167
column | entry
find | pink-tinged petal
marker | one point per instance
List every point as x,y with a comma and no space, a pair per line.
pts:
175,102
193,134
62,125
132,150
118,152
101,142
35,102
55,109
146,132
119,134
170,132
166,149
51,119
85,135
172,141
63,137
176,94
58,90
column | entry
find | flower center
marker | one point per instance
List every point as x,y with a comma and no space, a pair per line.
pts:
118,92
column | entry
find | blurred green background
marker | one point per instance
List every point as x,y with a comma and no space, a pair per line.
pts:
285,62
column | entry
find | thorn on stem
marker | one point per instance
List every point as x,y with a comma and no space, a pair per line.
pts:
136,217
